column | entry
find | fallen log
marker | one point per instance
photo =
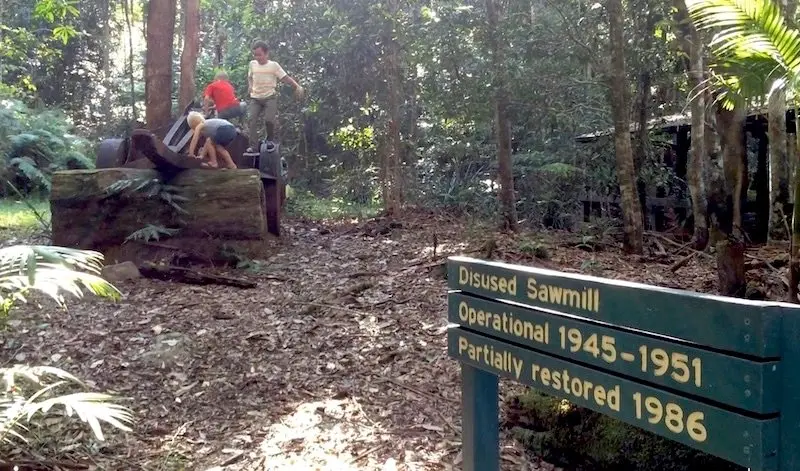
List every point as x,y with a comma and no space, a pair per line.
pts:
189,276
204,210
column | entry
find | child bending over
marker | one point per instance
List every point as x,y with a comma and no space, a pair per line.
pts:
218,133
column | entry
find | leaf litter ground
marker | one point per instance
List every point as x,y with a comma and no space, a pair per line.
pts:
337,361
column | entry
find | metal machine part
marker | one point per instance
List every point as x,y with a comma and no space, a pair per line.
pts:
112,153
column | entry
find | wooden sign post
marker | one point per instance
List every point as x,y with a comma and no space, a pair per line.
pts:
717,374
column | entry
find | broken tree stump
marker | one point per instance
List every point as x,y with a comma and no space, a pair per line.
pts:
217,211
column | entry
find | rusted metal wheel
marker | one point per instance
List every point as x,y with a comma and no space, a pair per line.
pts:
112,153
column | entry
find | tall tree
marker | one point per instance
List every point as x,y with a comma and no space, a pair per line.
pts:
505,172
392,151
158,63
778,156
727,204
692,45
191,48
619,99
754,45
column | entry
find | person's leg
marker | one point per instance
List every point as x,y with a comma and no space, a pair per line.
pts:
229,113
225,135
211,152
271,112
225,157
254,111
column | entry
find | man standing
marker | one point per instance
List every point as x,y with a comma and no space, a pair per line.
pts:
262,79
220,93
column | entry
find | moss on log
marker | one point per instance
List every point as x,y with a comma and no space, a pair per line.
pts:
218,210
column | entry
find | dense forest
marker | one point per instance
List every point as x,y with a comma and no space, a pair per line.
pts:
659,131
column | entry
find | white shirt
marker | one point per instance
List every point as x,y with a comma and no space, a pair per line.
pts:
265,78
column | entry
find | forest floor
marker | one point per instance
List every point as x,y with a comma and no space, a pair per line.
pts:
336,361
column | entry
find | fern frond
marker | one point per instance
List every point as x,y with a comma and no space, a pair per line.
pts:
151,232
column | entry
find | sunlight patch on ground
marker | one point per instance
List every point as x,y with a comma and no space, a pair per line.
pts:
445,249
329,434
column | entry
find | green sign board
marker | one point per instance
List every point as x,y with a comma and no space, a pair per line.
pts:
706,371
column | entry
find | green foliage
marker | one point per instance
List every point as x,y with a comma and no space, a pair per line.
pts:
22,218
306,205
151,232
32,392
150,188
756,50
34,144
51,271
534,248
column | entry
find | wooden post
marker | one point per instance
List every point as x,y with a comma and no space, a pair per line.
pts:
480,419
789,449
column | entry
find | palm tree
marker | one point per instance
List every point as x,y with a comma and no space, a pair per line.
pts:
757,52
30,391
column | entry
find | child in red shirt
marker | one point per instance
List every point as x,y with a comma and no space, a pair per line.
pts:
221,94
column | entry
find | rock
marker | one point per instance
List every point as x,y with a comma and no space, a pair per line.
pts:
168,350
121,272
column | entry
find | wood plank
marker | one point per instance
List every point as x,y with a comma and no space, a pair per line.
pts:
729,324
743,440
734,382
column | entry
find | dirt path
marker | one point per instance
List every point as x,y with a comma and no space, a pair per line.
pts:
336,361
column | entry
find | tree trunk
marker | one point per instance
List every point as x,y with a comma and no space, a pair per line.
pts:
730,246
791,164
505,170
697,153
393,199
794,251
642,139
158,63
87,213
105,53
691,42
127,6
778,165
191,48
219,49
619,98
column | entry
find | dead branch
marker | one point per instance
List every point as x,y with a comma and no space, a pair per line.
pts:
771,267
683,261
189,276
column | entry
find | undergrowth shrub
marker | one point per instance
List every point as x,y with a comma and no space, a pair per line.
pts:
33,145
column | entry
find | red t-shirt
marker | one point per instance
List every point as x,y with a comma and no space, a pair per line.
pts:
222,93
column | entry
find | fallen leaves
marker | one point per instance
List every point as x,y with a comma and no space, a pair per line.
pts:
336,361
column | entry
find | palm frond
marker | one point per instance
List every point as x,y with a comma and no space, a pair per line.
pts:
748,28
52,271
91,408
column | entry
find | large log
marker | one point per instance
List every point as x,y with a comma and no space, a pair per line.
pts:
220,210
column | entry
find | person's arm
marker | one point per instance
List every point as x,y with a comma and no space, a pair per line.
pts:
195,138
298,90
250,79
207,98
208,102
